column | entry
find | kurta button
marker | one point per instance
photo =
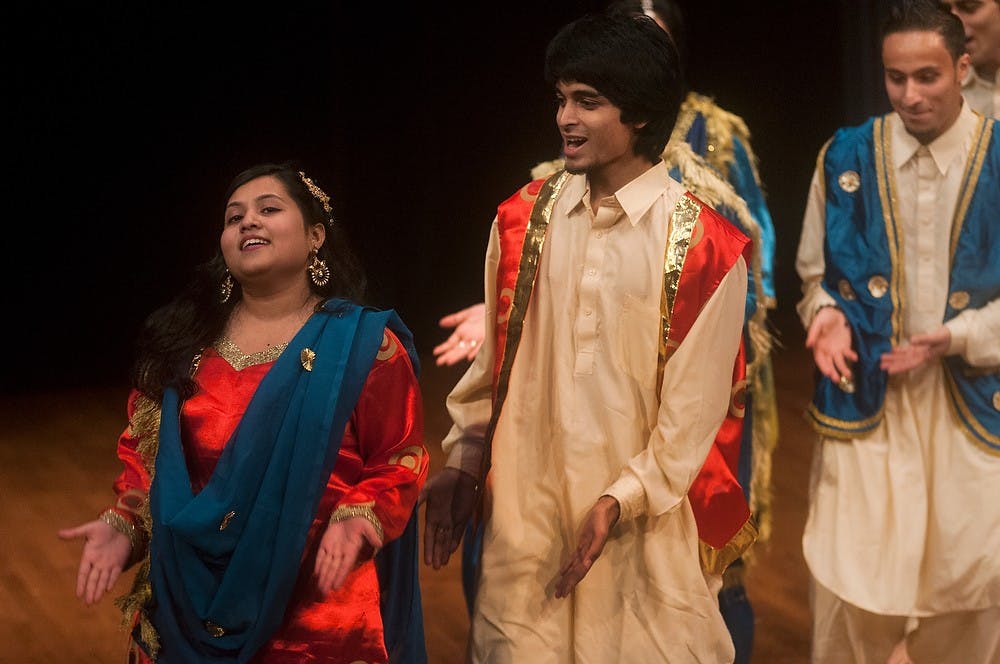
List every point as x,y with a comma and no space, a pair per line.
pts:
591,271
225,520
215,630
587,312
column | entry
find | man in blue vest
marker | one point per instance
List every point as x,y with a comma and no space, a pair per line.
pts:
900,259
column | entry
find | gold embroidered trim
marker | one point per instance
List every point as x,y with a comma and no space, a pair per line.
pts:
685,118
974,166
886,176
721,128
238,360
682,223
527,270
973,428
144,425
843,429
763,441
363,510
704,182
715,561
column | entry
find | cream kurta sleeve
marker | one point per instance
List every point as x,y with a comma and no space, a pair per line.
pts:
470,402
694,400
809,262
975,335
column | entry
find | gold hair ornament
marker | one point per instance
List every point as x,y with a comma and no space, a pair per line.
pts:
317,193
226,288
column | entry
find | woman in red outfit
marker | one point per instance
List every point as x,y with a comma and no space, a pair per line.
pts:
273,457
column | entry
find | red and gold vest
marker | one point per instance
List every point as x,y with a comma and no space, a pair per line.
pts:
701,248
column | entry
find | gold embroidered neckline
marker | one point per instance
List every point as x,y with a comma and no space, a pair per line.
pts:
238,360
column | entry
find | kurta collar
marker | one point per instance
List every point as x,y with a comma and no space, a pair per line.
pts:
945,149
635,198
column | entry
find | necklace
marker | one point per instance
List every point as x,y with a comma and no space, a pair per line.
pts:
269,336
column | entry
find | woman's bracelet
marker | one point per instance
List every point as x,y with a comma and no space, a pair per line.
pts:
363,510
122,525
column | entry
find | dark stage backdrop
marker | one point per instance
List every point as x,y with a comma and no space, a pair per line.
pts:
417,119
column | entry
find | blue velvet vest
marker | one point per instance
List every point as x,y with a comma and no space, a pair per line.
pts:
863,249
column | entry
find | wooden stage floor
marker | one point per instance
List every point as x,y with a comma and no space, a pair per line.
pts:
57,463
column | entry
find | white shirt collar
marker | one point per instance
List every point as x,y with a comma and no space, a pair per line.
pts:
635,198
945,149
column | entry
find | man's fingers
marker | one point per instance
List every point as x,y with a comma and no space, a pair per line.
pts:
452,357
453,319
812,335
840,364
428,545
442,538
825,366
456,539
572,577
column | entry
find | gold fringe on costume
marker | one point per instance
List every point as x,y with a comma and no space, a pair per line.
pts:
721,127
144,425
705,183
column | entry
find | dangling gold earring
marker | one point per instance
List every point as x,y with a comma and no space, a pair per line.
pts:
226,289
319,272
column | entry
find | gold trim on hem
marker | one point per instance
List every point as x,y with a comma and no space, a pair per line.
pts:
974,430
716,561
843,429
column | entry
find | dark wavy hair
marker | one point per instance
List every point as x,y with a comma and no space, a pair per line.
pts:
671,15
630,60
174,334
926,15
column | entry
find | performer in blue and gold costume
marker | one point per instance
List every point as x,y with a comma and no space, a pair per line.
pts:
273,457
900,259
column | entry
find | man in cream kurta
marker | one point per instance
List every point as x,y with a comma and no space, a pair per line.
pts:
585,436
583,419
904,522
